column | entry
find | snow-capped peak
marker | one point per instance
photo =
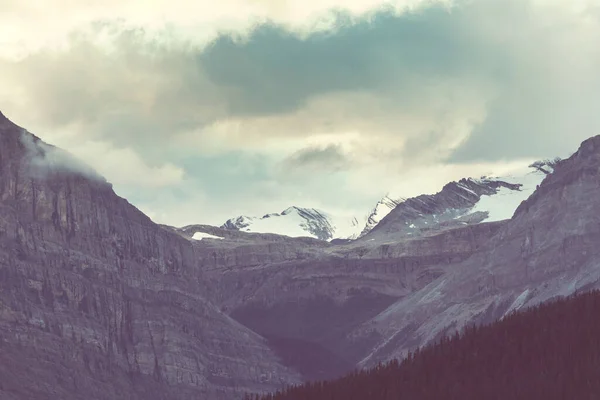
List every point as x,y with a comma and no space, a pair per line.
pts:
293,221
381,209
467,201
546,166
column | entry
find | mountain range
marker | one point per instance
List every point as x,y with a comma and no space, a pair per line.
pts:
473,201
97,301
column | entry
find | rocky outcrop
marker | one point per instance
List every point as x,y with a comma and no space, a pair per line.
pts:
98,302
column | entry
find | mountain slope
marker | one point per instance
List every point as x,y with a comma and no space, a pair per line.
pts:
98,302
548,352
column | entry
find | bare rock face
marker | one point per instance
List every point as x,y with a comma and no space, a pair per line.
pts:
98,302
549,248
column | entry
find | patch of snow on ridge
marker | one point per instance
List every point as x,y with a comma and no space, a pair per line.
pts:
288,223
299,222
380,211
503,204
204,235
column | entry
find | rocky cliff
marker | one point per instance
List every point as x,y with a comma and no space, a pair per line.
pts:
98,302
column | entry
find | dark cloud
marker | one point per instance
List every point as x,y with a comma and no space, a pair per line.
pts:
323,159
276,71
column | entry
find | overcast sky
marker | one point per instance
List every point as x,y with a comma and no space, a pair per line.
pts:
198,111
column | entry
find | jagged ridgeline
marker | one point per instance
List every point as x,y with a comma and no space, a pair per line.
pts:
551,351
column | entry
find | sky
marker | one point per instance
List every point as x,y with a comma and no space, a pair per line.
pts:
200,111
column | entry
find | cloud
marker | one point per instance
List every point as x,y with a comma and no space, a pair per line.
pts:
317,159
45,160
230,101
126,167
25,19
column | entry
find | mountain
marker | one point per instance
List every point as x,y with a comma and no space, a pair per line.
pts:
509,359
376,298
547,249
298,222
463,202
381,209
98,302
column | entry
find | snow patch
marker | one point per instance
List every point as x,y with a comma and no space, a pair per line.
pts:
503,204
204,235
288,223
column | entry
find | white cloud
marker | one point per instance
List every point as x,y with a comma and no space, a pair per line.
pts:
369,127
125,167
31,24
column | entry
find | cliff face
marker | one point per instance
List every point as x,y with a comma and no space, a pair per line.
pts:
98,302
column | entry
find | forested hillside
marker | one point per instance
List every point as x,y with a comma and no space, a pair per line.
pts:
551,351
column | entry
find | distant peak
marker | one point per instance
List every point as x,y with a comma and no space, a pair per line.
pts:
289,210
545,166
